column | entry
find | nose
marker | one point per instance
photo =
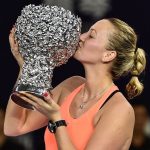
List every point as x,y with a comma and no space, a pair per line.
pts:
83,37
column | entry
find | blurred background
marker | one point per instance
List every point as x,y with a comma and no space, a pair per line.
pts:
135,13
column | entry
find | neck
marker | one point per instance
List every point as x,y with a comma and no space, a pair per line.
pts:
96,79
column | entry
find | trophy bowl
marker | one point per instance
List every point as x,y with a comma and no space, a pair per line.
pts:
47,36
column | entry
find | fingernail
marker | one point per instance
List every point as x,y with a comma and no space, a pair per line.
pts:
45,94
15,93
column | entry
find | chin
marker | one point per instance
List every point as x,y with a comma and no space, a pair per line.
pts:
74,56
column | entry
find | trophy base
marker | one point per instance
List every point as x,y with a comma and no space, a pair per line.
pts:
19,101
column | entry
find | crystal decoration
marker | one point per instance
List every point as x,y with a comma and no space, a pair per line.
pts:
47,36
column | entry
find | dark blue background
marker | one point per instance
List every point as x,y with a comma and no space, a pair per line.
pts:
135,13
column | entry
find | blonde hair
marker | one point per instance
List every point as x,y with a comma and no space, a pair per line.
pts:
129,59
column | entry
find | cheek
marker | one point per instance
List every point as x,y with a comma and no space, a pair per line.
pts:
87,54
92,49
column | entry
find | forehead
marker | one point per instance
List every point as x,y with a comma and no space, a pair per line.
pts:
103,26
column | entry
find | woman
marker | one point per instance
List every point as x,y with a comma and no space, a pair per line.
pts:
91,113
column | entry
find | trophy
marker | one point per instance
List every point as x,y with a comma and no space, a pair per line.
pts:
47,36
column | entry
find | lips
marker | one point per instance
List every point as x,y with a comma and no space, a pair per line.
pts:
80,45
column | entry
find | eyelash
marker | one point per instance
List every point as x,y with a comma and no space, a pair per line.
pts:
90,36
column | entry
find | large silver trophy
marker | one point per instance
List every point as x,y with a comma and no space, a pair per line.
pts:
47,38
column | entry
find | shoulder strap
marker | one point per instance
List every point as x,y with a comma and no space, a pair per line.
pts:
108,98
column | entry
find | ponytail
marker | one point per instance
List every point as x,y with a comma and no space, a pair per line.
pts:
135,87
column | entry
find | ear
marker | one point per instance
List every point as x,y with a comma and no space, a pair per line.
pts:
109,56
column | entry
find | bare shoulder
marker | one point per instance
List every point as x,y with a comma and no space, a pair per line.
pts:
66,87
115,125
120,106
119,112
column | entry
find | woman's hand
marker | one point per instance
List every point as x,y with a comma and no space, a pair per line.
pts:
47,106
15,48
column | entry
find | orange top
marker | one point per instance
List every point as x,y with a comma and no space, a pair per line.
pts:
80,129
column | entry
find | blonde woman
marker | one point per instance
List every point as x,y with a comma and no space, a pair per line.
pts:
87,113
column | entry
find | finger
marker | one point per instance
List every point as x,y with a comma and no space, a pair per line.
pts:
12,40
37,100
12,32
30,96
15,52
26,99
13,29
48,97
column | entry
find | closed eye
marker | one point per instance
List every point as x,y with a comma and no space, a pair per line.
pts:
91,36
93,33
